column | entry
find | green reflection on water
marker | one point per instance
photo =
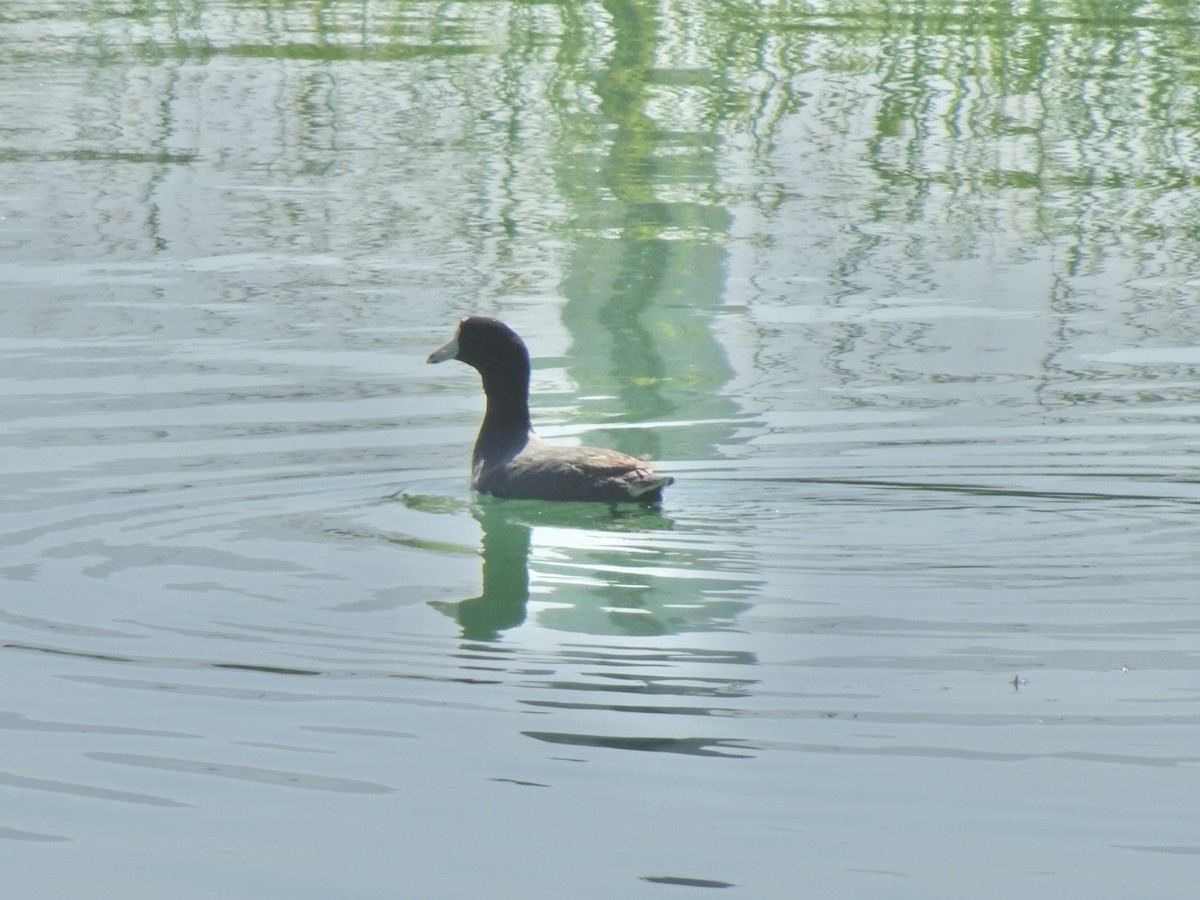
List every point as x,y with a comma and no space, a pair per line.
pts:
645,267
663,119
665,168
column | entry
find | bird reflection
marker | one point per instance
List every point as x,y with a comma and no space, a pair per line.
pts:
502,603
606,570
507,536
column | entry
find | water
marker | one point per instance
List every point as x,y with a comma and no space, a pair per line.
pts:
903,294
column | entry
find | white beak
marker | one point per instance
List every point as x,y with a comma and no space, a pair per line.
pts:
448,350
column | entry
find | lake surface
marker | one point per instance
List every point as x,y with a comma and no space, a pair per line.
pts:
905,296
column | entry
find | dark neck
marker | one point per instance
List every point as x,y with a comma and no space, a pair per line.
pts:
507,418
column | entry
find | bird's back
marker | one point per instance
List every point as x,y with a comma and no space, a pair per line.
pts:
544,471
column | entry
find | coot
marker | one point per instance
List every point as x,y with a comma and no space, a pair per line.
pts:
509,459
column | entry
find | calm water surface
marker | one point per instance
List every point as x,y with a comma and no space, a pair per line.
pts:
903,294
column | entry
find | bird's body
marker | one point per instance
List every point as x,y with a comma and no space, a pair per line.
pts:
509,459
539,470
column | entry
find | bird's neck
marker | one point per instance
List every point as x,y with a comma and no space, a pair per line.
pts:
507,415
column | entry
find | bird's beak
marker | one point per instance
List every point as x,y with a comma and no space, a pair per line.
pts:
448,350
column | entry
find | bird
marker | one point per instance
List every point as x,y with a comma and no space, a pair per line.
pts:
510,460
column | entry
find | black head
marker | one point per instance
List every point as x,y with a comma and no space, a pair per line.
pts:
487,345
500,357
